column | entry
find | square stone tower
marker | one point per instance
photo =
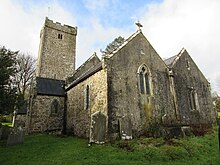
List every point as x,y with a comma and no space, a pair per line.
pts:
56,57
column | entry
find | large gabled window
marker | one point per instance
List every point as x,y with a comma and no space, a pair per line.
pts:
144,80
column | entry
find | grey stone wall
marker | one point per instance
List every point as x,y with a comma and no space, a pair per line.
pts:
126,105
79,118
41,115
187,77
56,57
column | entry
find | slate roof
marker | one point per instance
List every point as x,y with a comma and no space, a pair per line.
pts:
51,87
85,75
172,60
90,63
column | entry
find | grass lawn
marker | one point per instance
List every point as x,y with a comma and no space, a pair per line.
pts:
50,149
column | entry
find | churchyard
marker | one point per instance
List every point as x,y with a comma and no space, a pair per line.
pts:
59,149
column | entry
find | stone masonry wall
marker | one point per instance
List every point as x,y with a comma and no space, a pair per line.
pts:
129,110
42,117
56,57
78,118
187,76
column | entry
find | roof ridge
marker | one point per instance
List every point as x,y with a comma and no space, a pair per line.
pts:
91,57
124,44
172,60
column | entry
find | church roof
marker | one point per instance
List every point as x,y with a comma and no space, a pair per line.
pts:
52,87
85,75
90,63
172,60
124,44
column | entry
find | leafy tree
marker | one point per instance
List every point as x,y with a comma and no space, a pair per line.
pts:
114,44
7,86
25,73
218,105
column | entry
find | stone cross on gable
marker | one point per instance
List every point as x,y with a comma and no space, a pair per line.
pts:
139,25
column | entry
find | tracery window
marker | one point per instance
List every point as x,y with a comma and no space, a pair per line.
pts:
144,80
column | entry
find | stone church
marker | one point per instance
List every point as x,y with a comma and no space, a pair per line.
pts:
129,93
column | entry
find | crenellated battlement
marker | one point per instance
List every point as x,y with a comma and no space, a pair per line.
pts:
57,50
58,26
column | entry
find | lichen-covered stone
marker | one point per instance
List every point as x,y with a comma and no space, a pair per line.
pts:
41,117
131,92
56,57
79,118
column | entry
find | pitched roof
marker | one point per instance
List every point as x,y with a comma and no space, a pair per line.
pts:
122,45
172,60
51,87
90,63
85,75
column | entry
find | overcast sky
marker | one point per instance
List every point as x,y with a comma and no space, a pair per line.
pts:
169,25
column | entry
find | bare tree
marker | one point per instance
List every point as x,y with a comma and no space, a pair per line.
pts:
25,72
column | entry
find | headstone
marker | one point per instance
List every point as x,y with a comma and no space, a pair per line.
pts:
4,132
16,136
98,128
125,128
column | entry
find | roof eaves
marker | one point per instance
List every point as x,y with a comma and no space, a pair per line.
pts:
84,76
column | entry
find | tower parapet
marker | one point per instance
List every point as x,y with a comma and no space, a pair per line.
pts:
56,57
58,26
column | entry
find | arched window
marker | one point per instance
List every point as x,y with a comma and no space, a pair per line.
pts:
193,99
86,98
55,106
144,80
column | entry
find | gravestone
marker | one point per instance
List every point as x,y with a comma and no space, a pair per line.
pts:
125,128
16,136
4,132
98,128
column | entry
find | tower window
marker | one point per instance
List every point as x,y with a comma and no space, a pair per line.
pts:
144,80
60,36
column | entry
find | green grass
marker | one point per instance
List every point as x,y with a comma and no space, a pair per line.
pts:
49,149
